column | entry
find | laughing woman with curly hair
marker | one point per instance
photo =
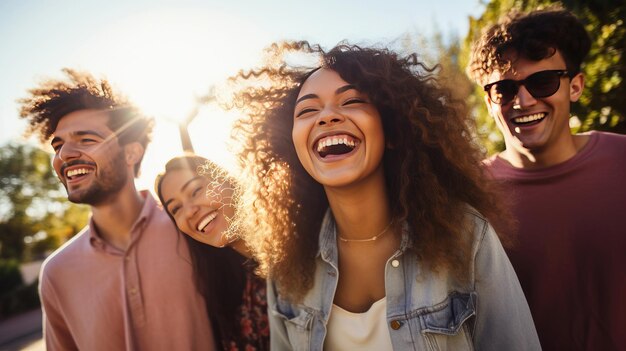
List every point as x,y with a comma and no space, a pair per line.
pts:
369,208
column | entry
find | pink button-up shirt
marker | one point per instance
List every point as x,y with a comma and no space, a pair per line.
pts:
97,297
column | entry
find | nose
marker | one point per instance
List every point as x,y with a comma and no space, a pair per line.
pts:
523,99
329,116
68,152
190,209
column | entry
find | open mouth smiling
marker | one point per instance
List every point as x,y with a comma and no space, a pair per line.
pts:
338,144
529,119
204,222
77,173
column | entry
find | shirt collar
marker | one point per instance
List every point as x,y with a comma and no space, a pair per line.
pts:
147,210
328,238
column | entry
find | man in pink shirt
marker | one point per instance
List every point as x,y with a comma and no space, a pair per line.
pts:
125,281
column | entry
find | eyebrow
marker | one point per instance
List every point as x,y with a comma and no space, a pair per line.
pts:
337,92
79,133
182,189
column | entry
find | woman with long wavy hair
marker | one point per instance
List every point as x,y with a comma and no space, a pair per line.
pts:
201,199
368,207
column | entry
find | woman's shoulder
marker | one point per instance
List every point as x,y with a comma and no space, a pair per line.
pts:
476,219
479,230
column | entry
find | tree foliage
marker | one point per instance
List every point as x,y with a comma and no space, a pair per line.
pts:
445,55
35,215
602,105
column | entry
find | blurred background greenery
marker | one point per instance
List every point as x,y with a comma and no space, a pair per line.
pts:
35,219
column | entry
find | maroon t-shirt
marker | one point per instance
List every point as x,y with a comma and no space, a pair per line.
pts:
570,255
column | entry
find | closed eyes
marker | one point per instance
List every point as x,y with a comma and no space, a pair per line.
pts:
174,209
196,191
354,101
58,145
305,111
350,101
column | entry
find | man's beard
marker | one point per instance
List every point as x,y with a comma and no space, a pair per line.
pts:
110,181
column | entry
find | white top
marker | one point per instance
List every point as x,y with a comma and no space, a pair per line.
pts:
358,331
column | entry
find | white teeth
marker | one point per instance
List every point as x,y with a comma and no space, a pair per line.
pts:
529,118
336,140
76,171
206,220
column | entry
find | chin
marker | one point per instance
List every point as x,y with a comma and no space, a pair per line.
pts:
222,243
209,239
335,178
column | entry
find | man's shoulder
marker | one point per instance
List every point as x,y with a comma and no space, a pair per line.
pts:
489,161
610,140
160,220
68,252
603,148
495,167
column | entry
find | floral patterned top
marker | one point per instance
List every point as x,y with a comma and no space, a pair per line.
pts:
255,332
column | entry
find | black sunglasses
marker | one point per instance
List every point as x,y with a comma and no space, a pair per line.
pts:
540,85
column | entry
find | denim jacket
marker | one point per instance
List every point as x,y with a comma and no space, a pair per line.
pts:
426,310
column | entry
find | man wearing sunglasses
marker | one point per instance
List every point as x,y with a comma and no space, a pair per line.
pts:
567,192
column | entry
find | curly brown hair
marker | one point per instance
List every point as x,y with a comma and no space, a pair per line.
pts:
432,171
535,35
53,99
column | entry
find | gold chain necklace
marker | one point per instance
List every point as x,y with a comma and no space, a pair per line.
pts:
374,238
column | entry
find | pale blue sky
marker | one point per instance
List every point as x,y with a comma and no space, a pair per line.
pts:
153,49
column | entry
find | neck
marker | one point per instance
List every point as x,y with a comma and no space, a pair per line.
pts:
562,151
115,218
362,210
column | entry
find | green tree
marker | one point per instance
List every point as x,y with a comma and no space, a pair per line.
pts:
602,105
445,55
35,215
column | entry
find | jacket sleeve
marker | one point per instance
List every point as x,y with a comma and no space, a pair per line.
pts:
503,319
56,333
279,339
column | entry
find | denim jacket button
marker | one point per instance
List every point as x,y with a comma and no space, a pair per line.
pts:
395,324
395,263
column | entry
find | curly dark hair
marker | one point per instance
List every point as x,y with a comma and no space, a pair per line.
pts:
535,35
432,171
53,99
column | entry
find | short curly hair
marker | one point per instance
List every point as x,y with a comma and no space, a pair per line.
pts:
53,99
535,35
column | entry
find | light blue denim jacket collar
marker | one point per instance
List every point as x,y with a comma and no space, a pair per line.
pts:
426,310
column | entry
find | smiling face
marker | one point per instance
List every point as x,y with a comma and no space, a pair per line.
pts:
536,125
88,158
337,132
200,208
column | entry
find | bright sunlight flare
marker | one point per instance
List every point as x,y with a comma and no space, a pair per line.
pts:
164,61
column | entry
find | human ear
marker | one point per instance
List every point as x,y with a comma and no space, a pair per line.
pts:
133,153
576,86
